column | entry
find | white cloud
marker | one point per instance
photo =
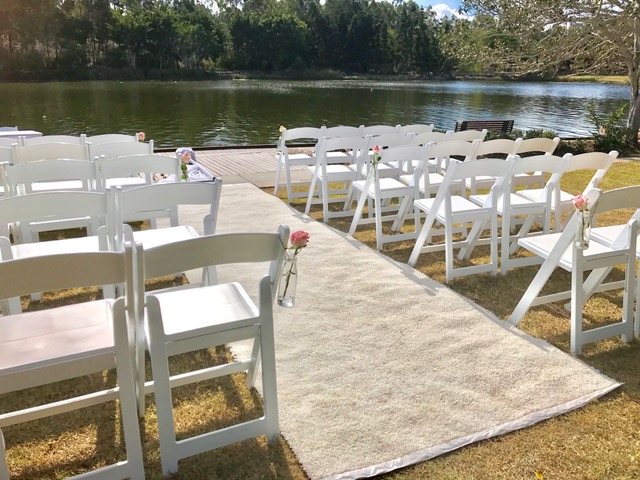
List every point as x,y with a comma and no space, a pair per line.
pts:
444,10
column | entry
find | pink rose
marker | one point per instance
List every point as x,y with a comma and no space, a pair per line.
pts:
140,136
299,239
376,150
282,129
185,157
580,202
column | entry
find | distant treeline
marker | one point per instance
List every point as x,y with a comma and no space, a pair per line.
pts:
144,39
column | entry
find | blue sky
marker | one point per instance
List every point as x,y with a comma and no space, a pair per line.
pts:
441,7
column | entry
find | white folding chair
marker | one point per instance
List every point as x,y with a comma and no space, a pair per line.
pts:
50,175
559,250
450,209
8,129
47,346
51,207
49,151
534,146
288,161
129,171
516,210
119,149
598,161
381,189
489,149
184,320
382,141
416,129
144,202
325,173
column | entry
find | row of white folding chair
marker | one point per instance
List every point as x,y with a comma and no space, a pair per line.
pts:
55,150
506,203
168,331
64,174
108,209
78,139
611,246
287,161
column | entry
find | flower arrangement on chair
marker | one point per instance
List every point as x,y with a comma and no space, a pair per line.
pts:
288,280
140,136
375,160
185,159
282,129
581,205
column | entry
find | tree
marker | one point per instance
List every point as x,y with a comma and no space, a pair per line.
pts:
554,32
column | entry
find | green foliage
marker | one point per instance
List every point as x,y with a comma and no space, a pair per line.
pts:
72,38
610,132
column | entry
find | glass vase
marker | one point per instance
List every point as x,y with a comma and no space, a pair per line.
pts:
584,229
288,281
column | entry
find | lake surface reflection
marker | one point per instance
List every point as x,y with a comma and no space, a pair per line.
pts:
242,112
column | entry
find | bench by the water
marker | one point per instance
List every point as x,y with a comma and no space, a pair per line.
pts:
503,125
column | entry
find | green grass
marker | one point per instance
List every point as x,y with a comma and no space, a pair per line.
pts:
620,79
600,441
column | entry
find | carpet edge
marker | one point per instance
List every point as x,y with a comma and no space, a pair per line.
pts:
438,450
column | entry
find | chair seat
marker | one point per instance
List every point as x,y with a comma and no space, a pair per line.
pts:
67,245
542,245
388,187
125,182
460,207
336,173
481,181
534,194
518,203
30,340
189,310
161,236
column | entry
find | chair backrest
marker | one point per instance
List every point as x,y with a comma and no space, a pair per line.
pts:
405,155
391,140
469,135
598,161
416,129
50,206
543,163
136,203
134,165
430,137
119,149
8,129
311,134
6,154
49,151
110,138
342,131
7,142
376,130
540,145
212,250
76,140
502,146
59,174
458,148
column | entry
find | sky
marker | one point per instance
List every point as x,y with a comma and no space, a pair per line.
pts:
441,7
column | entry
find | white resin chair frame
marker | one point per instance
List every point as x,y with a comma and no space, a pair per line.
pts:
209,316
73,341
559,250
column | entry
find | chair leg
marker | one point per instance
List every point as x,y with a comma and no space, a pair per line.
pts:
378,213
4,470
360,207
534,289
276,183
255,363
269,386
287,172
577,302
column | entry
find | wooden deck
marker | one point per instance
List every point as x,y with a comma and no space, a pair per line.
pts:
239,165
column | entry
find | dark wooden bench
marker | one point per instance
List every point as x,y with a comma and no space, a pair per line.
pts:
503,125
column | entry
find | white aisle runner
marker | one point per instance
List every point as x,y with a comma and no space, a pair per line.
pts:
380,367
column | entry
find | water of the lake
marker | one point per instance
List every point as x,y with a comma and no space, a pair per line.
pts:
244,112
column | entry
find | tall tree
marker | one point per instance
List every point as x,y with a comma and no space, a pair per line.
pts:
557,31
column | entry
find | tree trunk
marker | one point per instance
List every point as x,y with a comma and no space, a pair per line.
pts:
633,122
